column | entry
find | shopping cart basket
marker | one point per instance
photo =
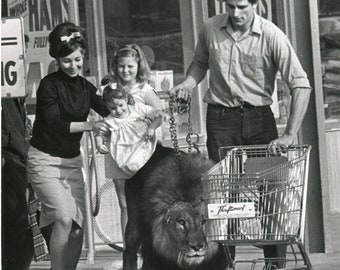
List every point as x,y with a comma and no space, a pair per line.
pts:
255,197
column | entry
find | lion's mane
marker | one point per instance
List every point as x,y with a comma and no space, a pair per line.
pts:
173,213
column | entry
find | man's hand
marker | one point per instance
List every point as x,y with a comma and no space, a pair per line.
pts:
195,74
281,144
180,91
299,104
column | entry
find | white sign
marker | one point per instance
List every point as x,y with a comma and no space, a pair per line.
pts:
13,60
40,17
231,210
162,80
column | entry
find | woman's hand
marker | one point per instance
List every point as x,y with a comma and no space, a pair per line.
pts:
101,128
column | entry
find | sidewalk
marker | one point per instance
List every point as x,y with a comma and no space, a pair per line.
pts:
109,259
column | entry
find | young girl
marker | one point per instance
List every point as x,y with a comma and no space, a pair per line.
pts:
129,151
132,126
131,68
64,99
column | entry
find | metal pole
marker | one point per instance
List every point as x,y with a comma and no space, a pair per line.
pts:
89,224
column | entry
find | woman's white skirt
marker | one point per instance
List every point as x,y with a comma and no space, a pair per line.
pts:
59,185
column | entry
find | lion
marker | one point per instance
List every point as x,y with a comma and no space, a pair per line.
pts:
173,215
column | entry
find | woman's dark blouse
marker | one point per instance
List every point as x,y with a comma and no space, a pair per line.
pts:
62,99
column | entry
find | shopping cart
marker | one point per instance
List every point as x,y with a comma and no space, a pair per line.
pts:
254,197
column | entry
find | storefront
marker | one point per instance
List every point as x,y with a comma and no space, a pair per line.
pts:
329,33
167,31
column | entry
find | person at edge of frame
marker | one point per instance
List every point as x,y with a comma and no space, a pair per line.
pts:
244,52
17,242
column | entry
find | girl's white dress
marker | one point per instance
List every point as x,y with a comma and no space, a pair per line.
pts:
139,91
127,144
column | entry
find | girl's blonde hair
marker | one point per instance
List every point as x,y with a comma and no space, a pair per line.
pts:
132,50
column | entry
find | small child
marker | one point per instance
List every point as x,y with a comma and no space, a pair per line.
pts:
132,140
132,126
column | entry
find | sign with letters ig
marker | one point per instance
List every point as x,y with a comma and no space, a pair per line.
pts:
13,58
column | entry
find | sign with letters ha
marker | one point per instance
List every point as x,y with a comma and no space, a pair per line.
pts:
13,60
40,17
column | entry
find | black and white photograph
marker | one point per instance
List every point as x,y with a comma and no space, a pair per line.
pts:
170,135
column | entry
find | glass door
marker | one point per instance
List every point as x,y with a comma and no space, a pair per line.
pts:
157,27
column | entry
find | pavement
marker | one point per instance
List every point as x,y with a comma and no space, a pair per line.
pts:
249,258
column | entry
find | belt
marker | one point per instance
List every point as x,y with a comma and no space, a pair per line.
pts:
245,105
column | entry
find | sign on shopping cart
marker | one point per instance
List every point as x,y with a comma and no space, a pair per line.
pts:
231,210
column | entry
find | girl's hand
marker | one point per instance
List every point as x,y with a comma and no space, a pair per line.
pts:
147,120
149,134
103,149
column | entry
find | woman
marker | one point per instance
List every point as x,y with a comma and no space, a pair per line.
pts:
64,99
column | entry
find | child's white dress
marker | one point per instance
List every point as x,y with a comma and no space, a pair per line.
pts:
127,145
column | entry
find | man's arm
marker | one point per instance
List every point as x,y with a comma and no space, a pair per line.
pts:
195,74
299,105
298,108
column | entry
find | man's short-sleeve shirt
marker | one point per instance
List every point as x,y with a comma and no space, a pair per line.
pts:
245,69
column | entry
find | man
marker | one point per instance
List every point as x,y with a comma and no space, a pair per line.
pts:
17,245
17,241
244,52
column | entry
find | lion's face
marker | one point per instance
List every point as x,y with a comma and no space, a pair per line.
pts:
179,235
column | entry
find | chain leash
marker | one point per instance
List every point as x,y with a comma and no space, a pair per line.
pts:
188,138
172,124
182,108
191,143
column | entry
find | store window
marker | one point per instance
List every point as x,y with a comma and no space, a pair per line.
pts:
329,25
154,25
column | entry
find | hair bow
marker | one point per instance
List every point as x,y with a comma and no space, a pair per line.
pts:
113,85
68,38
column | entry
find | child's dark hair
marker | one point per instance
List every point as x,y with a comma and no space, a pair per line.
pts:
132,50
109,78
66,38
114,90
